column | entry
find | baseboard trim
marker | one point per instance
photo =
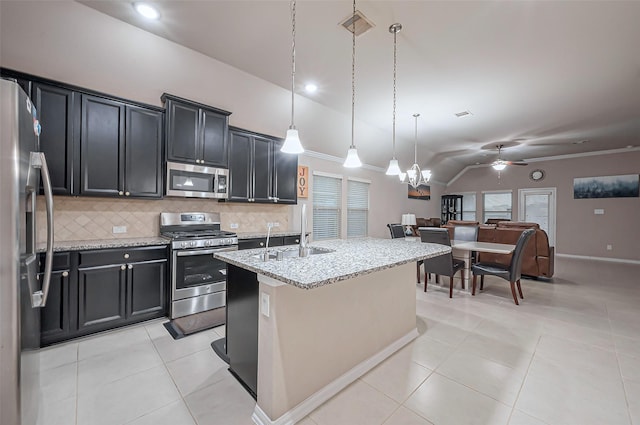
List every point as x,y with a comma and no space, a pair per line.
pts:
608,259
316,399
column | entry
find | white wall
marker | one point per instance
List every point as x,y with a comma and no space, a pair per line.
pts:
69,42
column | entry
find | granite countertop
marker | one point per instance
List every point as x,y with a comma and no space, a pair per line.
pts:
347,259
254,235
60,246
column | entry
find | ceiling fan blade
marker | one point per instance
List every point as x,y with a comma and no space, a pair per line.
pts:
516,163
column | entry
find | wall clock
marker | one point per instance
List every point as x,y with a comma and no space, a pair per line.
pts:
536,175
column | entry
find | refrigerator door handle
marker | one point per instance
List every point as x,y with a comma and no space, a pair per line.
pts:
38,160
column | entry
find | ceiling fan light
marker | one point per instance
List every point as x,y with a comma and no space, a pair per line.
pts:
499,166
394,168
292,143
352,160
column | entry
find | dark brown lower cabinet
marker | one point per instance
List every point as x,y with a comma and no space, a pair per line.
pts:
96,290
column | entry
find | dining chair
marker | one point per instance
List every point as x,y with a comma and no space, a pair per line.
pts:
466,233
511,273
397,231
444,265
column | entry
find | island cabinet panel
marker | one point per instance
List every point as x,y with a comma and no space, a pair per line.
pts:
196,133
258,171
143,153
96,290
102,146
242,326
57,109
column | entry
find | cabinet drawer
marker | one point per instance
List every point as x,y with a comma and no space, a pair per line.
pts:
61,261
121,255
260,242
292,240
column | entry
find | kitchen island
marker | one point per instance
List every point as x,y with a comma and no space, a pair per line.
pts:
323,320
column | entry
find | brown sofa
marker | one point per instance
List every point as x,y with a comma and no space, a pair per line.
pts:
425,222
538,256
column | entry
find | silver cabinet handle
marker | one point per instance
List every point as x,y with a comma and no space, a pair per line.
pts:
126,255
130,266
123,267
297,240
39,161
120,193
127,193
65,274
261,243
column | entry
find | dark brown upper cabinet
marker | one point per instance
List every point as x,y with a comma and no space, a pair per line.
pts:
258,171
196,133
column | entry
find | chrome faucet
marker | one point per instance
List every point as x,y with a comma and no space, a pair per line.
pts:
265,254
303,250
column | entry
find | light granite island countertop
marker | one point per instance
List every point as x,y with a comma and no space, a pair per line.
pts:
346,259
300,330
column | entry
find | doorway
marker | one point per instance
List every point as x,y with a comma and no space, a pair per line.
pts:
539,206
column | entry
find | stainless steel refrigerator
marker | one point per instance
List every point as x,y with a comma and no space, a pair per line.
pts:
22,294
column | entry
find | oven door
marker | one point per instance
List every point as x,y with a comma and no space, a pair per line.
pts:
196,272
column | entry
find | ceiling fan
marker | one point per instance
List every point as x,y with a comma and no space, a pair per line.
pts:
500,164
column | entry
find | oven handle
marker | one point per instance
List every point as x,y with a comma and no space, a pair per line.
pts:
204,252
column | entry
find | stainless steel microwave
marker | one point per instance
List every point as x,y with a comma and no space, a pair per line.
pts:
196,181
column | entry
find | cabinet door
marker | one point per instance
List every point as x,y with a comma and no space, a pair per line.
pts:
102,147
262,169
101,298
146,290
54,317
182,132
56,112
285,179
240,171
214,138
143,153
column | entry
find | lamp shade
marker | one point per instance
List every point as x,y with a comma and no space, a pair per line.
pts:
352,161
292,142
394,168
408,219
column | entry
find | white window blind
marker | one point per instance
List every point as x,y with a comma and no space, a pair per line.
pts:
469,206
327,197
357,209
497,205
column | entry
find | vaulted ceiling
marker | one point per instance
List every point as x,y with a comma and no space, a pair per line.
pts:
543,78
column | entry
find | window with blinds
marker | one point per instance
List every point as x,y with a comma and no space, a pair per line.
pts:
468,206
327,197
357,209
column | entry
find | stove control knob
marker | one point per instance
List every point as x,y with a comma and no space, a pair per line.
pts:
193,243
209,243
183,244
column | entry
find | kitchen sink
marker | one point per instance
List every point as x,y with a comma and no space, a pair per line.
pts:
292,253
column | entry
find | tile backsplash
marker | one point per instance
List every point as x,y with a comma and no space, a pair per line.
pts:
94,218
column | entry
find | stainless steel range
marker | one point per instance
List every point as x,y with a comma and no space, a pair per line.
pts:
198,281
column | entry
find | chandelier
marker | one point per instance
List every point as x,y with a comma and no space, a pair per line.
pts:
415,176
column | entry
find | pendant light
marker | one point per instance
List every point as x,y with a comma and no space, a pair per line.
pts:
415,175
292,141
394,168
352,160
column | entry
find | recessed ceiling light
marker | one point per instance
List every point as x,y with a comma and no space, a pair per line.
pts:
146,10
310,88
463,114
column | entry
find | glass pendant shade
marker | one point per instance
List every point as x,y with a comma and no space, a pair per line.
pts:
352,161
426,175
394,168
499,166
292,142
402,176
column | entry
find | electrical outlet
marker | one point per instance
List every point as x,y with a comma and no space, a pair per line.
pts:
276,224
119,229
598,211
265,304
233,225
609,247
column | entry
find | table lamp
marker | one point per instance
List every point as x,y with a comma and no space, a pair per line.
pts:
408,220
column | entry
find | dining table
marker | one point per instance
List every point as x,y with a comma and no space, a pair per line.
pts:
462,251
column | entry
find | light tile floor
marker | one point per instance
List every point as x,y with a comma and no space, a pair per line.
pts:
568,355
